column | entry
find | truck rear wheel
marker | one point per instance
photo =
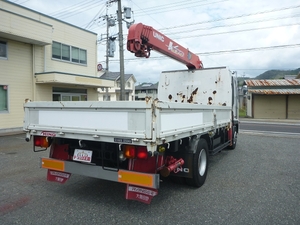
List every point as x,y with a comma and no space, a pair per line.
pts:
200,163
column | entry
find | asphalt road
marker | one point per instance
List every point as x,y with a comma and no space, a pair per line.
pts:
257,183
275,127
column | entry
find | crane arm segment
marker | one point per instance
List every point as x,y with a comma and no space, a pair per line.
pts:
142,39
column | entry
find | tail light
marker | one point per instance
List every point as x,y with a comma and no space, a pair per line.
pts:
141,153
131,152
41,141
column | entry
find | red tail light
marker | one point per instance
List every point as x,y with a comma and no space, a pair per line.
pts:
41,141
131,152
142,152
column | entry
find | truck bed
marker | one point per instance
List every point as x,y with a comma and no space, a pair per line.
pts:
140,122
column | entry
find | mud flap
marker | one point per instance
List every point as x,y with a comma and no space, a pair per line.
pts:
140,194
57,176
137,193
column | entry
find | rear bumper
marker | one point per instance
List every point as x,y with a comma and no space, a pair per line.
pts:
111,174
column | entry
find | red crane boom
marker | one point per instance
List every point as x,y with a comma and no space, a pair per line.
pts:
142,39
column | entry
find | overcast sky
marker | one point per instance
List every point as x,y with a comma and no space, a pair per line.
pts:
247,36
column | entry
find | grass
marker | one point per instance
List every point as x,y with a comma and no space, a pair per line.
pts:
242,112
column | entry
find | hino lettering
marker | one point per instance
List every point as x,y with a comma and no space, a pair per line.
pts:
183,170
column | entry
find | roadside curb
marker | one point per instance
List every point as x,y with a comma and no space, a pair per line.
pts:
287,121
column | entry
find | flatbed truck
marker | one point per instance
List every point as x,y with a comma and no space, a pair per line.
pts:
138,142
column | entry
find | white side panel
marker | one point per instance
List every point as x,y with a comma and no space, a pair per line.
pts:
180,120
88,120
204,86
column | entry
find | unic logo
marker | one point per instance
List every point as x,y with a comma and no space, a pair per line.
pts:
175,49
158,36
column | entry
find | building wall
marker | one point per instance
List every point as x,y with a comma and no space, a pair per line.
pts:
142,94
61,32
113,92
29,36
293,107
44,92
273,106
269,106
16,72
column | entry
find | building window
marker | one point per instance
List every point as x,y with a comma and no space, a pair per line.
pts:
56,50
106,97
82,56
68,53
3,98
69,94
65,52
128,84
3,49
75,54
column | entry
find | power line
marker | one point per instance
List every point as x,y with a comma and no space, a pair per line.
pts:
146,13
95,17
172,7
237,31
233,17
249,49
236,24
76,9
225,51
71,7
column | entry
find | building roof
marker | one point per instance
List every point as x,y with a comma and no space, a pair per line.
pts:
272,83
146,86
287,77
289,91
273,87
116,76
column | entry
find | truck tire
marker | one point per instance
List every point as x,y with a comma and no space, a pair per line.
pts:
200,165
234,140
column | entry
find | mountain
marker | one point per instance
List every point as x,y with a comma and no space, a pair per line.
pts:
277,74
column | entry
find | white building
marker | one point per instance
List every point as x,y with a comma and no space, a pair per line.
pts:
113,93
146,90
43,59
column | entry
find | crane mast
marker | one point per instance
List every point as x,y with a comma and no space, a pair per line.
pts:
142,39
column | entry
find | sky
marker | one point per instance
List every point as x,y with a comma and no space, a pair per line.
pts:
247,36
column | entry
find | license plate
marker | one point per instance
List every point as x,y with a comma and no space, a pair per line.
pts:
82,155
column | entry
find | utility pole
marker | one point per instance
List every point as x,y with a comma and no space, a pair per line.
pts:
122,79
107,37
107,51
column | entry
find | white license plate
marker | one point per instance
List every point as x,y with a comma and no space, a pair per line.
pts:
82,155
